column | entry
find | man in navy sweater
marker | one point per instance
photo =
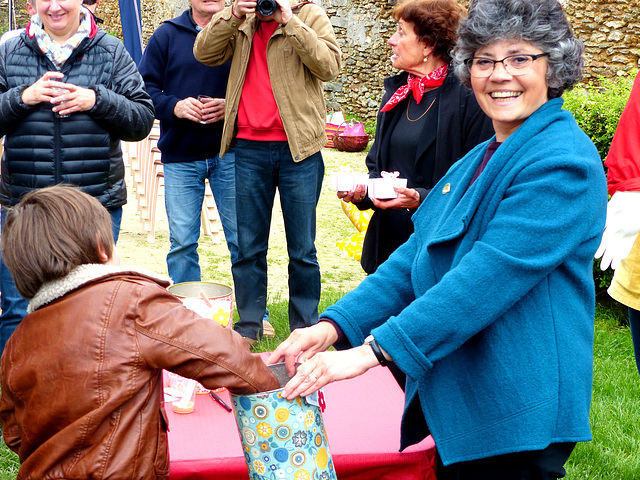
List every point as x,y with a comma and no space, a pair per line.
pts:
189,101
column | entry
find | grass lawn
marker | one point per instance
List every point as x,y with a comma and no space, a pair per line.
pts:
614,454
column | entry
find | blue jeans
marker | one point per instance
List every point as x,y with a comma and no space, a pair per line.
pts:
183,195
261,168
116,221
14,307
634,324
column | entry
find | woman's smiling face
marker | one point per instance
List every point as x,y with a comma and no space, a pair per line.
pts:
510,99
60,18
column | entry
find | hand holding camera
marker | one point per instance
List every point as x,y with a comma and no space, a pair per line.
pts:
278,10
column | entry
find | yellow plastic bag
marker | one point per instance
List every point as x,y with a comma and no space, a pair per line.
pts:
352,245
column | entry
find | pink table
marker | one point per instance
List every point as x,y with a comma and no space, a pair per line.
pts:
362,421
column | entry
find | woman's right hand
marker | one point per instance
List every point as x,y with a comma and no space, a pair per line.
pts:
44,89
354,196
304,343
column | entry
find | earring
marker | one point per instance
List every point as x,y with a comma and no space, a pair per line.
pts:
425,58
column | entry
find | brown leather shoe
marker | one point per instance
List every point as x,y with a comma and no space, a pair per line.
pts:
267,329
250,341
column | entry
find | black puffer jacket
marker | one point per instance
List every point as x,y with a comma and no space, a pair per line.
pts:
83,149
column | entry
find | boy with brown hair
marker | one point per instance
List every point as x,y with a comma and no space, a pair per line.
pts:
82,374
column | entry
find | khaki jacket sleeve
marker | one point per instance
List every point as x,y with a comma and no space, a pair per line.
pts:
177,339
215,44
312,36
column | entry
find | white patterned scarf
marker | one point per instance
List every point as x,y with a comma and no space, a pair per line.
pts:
56,52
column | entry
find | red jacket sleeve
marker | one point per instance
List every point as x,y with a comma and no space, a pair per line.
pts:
623,160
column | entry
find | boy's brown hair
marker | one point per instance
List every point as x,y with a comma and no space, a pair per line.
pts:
52,231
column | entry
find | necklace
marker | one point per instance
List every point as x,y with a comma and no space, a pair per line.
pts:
426,111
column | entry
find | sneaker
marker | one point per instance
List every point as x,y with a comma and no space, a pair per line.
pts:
267,329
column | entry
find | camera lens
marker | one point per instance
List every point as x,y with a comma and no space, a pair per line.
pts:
266,7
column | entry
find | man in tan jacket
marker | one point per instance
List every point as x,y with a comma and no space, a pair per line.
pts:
275,112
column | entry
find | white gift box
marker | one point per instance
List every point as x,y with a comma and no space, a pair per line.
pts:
382,188
346,181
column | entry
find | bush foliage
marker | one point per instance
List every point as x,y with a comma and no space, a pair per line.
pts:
597,108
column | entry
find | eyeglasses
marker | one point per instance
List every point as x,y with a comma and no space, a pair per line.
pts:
482,67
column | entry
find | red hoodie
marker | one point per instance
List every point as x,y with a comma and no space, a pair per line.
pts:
623,160
258,114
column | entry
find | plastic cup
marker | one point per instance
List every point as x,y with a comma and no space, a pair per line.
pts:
65,91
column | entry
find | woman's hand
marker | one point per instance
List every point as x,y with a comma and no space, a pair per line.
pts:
407,198
354,196
326,367
43,90
72,98
304,343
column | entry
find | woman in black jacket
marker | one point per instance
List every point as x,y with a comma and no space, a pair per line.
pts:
428,121
69,93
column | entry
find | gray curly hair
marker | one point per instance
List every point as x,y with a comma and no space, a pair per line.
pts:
540,22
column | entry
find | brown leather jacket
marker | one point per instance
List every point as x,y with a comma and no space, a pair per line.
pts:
82,374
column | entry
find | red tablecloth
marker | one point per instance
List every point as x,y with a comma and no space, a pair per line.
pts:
362,421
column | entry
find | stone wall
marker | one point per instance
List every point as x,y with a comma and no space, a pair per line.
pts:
609,28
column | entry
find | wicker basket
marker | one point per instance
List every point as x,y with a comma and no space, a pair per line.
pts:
350,143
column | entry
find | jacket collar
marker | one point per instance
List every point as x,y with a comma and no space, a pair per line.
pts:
391,84
83,275
184,21
514,151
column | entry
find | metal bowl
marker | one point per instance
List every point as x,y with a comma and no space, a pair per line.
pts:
193,289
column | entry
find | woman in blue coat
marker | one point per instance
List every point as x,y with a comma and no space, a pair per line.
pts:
488,308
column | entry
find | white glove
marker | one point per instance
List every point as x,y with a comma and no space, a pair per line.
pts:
621,229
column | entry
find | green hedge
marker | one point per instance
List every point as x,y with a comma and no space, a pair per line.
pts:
597,107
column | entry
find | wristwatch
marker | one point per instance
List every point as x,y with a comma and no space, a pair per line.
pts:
377,351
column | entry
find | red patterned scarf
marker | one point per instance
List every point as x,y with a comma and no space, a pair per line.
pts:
417,85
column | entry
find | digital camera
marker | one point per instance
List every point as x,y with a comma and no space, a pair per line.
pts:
266,7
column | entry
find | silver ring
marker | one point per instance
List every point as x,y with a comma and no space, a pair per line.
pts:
315,378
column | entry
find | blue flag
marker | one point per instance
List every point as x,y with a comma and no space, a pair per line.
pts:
131,28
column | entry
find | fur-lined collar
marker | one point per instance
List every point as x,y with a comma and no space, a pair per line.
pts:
81,275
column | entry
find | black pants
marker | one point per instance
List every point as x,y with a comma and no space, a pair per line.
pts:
544,464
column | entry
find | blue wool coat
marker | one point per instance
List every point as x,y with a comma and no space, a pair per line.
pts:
489,306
